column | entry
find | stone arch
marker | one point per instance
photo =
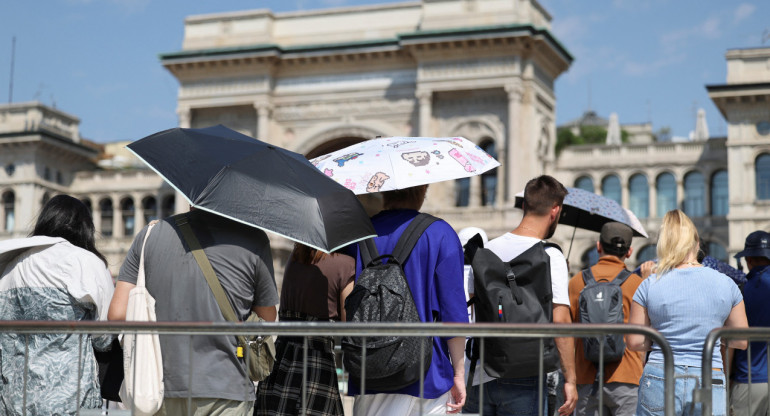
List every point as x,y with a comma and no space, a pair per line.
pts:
320,136
478,130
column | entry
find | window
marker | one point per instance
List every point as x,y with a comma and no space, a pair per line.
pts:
611,188
462,192
167,209
87,203
585,183
762,172
47,173
717,251
646,253
59,178
9,211
590,257
150,209
10,169
489,178
720,202
694,195
639,198
127,216
106,215
665,188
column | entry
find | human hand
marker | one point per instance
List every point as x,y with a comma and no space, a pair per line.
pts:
456,395
647,268
570,399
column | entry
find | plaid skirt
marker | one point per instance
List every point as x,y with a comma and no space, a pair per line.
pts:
281,392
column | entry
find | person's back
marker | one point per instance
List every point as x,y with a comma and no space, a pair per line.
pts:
241,259
434,273
621,378
749,396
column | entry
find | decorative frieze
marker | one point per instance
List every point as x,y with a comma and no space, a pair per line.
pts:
218,87
331,109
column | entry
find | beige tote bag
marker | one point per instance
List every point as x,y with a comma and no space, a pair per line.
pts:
142,389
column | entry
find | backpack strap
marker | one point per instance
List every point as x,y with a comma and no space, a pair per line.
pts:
588,277
548,244
622,277
409,238
368,251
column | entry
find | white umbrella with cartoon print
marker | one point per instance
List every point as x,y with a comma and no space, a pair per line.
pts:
389,163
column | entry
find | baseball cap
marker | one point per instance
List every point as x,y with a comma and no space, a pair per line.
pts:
757,245
616,238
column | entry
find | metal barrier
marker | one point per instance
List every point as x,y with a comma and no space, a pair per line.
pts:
304,329
749,334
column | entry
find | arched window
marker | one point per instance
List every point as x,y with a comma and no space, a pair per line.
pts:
762,172
462,192
47,173
489,178
720,198
585,183
665,188
639,196
59,178
127,216
87,203
105,212
150,209
590,257
611,188
167,208
717,251
694,194
9,211
646,253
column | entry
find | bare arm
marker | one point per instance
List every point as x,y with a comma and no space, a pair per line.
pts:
647,268
638,342
737,319
457,393
119,303
268,313
566,347
343,296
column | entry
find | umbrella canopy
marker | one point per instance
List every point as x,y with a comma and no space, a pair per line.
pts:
386,164
589,211
233,175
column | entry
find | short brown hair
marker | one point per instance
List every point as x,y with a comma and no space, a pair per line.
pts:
408,195
541,194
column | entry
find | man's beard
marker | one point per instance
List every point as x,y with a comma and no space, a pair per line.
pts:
551,229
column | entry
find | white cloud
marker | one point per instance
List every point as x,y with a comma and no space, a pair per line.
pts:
637,69
676,40
743,11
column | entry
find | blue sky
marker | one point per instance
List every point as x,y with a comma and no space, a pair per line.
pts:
647,60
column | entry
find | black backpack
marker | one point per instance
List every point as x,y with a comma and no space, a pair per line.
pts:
518,291
382,294
601,302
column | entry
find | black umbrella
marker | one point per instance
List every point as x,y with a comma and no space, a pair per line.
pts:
233,175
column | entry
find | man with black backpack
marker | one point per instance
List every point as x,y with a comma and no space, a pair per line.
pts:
518,277
603,294
426,252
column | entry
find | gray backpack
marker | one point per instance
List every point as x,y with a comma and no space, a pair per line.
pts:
601,302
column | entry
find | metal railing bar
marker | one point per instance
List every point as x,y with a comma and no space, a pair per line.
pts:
600,375
80,373
362,393
304,375
133,377
481,372
748,359
422,372
190,373
26,375
540,375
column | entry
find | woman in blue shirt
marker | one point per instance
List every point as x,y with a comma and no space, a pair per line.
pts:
684,301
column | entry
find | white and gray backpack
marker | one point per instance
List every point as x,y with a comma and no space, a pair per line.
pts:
601,302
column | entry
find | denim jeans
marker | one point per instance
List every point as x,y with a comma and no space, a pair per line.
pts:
507,397
651,391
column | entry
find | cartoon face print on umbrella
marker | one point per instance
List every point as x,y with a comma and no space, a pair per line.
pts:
376,182
418,158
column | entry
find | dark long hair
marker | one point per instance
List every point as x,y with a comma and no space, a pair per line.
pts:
67,217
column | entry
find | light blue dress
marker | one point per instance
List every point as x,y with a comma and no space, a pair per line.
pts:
44,278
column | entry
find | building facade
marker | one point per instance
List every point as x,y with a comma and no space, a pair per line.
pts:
317,81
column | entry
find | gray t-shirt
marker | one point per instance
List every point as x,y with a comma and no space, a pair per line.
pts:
241,258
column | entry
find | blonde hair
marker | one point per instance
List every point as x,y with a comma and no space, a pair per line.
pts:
677,239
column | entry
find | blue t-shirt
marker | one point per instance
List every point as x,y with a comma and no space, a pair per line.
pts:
756,292
685,305
434,272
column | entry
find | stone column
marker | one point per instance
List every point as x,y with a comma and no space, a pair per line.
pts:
138,213
475,191
624,191
425,98
117,218
185,117
96,213
653,198
180,203
680,193
512,179
263,121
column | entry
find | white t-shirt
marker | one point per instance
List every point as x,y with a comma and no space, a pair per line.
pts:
508,246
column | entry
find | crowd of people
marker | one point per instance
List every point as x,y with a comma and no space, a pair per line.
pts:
58,274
